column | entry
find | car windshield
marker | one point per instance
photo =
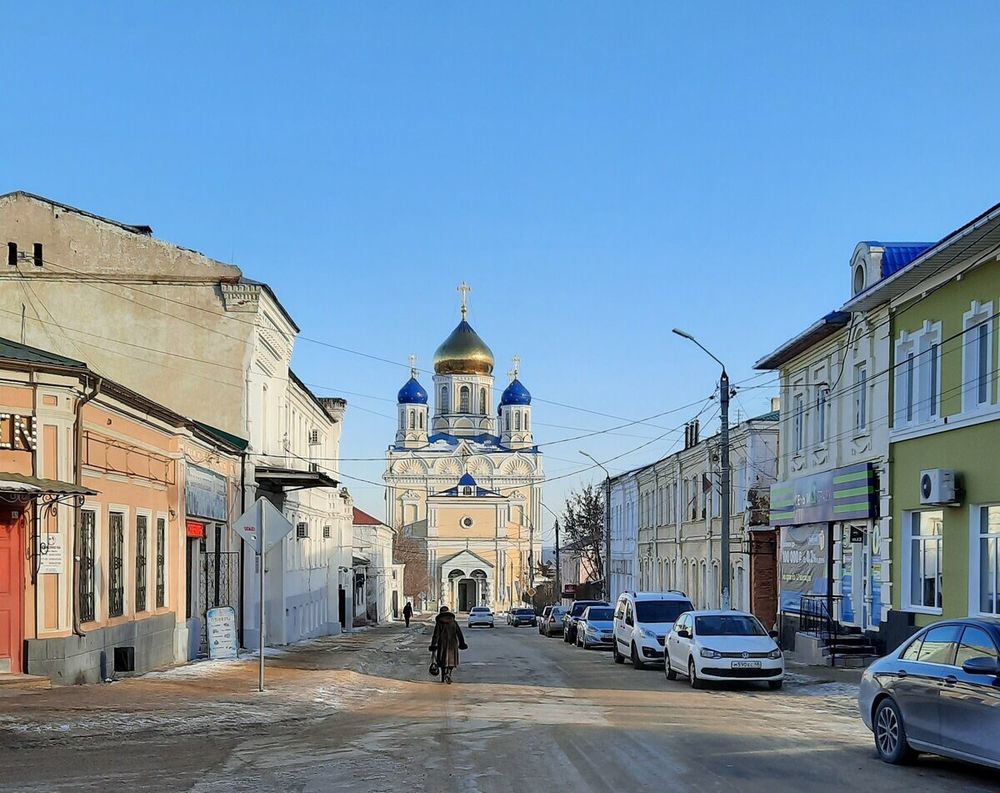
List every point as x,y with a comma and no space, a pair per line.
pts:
524,612
601,614
480,610
660,610
579,608
728,625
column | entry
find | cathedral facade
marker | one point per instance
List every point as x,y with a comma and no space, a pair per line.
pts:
463,480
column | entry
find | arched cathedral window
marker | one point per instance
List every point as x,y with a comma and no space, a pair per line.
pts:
421,420
482,401
526,421
507,420
517,421
464,397
413,420
444,399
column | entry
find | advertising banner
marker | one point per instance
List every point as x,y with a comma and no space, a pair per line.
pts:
205,494
803,564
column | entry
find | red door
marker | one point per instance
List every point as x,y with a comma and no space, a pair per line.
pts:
11,590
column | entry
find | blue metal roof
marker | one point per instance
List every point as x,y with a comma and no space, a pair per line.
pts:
515,394
412,393
468,481
899,254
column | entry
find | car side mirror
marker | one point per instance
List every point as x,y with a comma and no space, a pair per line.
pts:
684,633
982,666
774,634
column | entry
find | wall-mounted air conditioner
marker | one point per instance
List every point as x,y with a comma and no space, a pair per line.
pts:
937,486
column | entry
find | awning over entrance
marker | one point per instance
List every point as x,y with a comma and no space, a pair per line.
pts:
23,486
291,478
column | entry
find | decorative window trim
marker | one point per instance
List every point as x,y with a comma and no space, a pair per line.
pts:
907,565
917,377
976,535
978,314
860,401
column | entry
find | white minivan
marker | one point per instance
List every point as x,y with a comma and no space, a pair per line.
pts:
642,622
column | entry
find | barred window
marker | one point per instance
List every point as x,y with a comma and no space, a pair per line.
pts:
116,564
88,521
141,560
161,562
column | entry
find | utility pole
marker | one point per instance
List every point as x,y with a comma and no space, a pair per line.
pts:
724,390
725,506
558,576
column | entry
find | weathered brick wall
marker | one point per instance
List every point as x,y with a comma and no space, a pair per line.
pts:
764,576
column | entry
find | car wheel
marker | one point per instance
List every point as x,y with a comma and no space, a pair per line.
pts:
774,685
693,678
619,658
890,734
636,663
667,669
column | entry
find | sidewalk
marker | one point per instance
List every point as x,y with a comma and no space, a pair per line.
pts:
306,680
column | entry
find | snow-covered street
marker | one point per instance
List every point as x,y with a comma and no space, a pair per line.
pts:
526,713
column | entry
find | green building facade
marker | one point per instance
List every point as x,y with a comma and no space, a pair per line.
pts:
944,456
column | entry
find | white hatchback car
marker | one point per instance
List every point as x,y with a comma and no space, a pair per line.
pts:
723,645
642,621
480,615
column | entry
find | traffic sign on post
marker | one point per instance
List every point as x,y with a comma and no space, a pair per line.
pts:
261,527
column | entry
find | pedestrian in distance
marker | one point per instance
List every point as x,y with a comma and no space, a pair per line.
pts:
446,641
407,613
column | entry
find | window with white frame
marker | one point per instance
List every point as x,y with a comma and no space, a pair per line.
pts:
986,546
822,400
861,397
922,558
977,357
918,376
798,422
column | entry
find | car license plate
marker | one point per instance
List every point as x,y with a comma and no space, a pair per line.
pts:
746,665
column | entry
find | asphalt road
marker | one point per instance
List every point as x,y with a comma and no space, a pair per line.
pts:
525,714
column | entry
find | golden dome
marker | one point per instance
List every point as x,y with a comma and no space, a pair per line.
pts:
463,352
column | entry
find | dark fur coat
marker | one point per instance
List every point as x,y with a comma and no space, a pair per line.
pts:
447,640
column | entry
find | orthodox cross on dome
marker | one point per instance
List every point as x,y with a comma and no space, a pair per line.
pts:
463,290
413,366
515,368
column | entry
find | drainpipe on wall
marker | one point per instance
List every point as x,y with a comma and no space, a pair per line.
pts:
243,508
78,481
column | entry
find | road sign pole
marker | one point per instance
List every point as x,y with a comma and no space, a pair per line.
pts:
260,670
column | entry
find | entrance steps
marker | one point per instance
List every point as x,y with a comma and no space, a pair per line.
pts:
24,681
847,650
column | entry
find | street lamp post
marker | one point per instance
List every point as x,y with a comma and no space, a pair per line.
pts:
724,455
607,525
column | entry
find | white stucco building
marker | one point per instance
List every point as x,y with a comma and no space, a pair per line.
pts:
624,534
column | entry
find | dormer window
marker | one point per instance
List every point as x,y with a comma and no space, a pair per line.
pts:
859,277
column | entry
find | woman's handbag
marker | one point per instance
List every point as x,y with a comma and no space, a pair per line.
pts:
433,670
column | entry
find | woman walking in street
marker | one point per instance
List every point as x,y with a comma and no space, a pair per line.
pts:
446,641
407,613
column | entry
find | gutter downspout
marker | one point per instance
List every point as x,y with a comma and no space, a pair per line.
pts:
78,481
243,508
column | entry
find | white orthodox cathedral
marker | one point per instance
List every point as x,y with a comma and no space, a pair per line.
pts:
464,483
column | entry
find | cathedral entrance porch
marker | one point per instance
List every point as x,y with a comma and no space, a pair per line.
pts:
463,590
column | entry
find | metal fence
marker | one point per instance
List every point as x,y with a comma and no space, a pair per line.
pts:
220,586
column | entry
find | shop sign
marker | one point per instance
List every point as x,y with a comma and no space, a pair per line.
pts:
51,554
205,494
195,529
849,493
857,535
222,639
19,433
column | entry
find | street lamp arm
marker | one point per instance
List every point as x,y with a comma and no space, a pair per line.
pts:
704,349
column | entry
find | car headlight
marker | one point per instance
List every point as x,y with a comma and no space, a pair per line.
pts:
592,630
707,653
775,654
646,633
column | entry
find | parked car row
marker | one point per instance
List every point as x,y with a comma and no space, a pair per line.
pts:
664,629
939,692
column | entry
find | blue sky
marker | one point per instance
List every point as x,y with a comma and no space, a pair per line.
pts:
598,172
